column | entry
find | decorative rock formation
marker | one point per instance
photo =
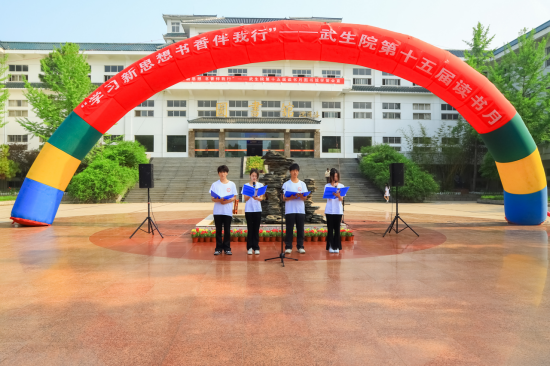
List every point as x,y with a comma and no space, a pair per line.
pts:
278,170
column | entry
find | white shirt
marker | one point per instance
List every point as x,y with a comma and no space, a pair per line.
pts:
334,206
222,190
297,205
387,191
252,205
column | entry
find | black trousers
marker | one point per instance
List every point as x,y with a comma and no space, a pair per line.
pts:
253,220
333,235
299,220
225,222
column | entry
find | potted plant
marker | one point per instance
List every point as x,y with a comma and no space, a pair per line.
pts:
307,235
213,235
234,236
323,235
272,235
195,235
242,235
262,235
314,235
294,236
350,235
277,235
342,234
201,235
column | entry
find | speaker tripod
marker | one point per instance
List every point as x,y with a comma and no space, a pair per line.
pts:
151,225
394,225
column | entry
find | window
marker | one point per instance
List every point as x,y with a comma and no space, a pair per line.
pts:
271,113
391,81
18,138
391,115
361,72
421,106
206,104
18,103
449,116
391,140
140,113
360,142
362,115
331,73
301,73
422,140
237,72
177,113
148,103
447,107
547,54
391,106
207,113
301,104
449,141
175,27
148,141
331,144
176,143
331,115
422,116
387,74
211,73
332,105
362,105
176,103
107,77
238,113
239,104
111,137
18,68
271,72
18,113
113,68
362,81
271,104
18,78
397,149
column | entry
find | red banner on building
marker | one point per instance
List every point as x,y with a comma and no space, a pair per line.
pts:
264,79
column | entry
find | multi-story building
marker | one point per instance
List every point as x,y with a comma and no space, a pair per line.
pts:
302,108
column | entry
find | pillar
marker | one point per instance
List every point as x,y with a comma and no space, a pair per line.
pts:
191,145
317,144
221,144
287,144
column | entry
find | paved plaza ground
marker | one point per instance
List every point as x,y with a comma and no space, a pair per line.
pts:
470,290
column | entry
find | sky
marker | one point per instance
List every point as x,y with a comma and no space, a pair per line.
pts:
442,23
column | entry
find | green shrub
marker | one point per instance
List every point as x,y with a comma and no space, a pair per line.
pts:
127,153
254,162
375,165
103,179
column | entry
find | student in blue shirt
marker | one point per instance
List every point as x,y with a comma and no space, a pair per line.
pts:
253,214
334,211
223,210
295,209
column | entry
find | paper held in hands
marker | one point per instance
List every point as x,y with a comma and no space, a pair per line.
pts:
292,193
216,196
249,191
330,191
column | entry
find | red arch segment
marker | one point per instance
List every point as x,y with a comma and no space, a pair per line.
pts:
475,98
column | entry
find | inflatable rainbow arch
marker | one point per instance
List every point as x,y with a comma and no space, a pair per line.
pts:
476,99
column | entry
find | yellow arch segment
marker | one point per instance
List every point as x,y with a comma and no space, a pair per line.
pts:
525,176
53,167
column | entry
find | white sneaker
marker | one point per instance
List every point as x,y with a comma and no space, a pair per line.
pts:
250,251
330,249
337,251
288,251
302,251
257,252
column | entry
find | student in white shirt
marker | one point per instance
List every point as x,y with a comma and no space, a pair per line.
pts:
253,214
295,209
223,210
334,211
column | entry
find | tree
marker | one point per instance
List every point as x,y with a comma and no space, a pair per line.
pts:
8,168
4,94
66,85
519,75
478,57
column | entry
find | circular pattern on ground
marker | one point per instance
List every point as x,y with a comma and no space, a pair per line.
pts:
177,243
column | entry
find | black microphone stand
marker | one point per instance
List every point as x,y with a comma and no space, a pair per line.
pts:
282,254
150,222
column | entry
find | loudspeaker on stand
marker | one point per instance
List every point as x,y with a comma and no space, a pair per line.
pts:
146,179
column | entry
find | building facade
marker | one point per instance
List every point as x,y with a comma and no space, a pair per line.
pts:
301,108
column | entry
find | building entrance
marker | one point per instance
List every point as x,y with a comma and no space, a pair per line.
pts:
254,147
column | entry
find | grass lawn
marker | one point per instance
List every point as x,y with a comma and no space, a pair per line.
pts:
7,198
497,197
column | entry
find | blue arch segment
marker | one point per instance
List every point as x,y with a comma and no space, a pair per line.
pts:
37,202
527,209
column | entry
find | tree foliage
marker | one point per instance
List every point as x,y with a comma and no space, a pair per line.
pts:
8,168
519,75
66,85
375,165
4,94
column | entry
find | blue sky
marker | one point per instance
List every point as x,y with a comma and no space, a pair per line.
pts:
442,23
